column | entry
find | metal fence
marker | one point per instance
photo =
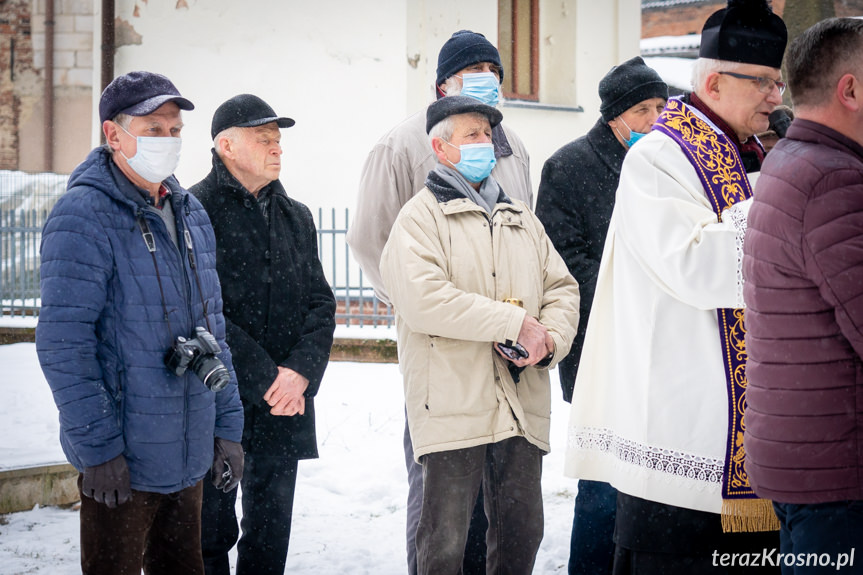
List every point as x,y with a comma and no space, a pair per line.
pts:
21,233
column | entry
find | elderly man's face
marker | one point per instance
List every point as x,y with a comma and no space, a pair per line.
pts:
467,129
256,155
165,122
638,118
478,68
741,104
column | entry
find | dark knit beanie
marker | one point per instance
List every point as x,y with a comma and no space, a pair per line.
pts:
628,84
747,31
463,49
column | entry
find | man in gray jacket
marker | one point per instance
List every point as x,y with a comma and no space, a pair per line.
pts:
394,172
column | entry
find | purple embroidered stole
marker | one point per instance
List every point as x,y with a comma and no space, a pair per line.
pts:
718,165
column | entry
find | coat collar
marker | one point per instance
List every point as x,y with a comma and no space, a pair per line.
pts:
226,180
605,146
809,131
453,201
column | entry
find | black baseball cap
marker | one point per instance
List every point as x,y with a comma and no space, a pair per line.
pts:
138,94
245,111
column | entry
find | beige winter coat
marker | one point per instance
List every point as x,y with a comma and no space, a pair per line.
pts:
447,267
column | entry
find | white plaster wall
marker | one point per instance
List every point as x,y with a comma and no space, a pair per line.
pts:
347,71
337,67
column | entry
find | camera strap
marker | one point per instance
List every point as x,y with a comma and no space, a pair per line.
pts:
187,237
150,241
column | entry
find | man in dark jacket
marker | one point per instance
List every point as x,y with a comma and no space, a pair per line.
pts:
575,201
803,271
280,315
128,271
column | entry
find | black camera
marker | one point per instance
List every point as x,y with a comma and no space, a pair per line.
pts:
199,355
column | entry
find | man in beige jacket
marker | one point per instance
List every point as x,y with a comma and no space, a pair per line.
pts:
394,172
456,251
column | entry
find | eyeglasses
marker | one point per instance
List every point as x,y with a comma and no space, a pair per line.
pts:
765,85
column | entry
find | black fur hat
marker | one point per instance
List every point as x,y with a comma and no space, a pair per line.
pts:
746,31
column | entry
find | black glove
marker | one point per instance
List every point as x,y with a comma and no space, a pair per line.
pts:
108,483
227,464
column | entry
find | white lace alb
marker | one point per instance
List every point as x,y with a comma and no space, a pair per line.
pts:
675,463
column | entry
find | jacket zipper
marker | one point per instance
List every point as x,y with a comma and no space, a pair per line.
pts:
188,298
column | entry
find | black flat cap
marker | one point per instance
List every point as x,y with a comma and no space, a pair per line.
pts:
139,94
452,105
245,111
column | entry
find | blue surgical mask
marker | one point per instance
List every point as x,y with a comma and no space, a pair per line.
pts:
633,135
477,161
482,86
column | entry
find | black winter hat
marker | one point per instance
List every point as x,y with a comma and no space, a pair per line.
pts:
628,84
747,31
139,94
463,49
245,111
452,105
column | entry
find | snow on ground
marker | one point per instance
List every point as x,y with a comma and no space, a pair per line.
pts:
349,512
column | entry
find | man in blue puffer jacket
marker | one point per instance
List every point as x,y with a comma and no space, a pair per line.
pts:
128,267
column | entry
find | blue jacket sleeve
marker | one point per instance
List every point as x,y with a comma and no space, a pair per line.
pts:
75,271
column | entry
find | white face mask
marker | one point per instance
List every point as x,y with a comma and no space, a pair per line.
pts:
156,158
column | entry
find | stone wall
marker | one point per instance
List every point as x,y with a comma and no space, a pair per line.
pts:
16,57
22,86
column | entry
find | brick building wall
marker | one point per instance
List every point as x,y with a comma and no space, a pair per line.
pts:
16,56
676,18
22,85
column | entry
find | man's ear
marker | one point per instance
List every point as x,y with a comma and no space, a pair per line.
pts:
849,92
711,85
437,146
225,147
112,134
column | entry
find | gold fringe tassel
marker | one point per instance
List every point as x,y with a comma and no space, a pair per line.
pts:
748,515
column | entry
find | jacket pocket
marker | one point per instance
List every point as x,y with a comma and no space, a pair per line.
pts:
459,377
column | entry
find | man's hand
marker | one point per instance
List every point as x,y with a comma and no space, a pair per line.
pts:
228,462
535,339
285,396
108,483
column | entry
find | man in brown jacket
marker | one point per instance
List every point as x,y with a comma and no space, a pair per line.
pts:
394,172
803,272
476,366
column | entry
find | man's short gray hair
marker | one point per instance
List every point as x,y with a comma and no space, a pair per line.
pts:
443,129
123,120
231,134
703,67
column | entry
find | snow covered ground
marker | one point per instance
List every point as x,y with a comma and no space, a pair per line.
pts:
349,512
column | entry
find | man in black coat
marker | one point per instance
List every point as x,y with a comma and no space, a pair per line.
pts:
280,316
574,203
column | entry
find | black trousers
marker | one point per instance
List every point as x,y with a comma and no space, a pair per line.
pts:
267,487
656,539
510,474
160,533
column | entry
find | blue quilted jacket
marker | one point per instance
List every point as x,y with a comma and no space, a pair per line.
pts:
103,332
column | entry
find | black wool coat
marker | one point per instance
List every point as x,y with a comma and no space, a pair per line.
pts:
279,308
574,203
